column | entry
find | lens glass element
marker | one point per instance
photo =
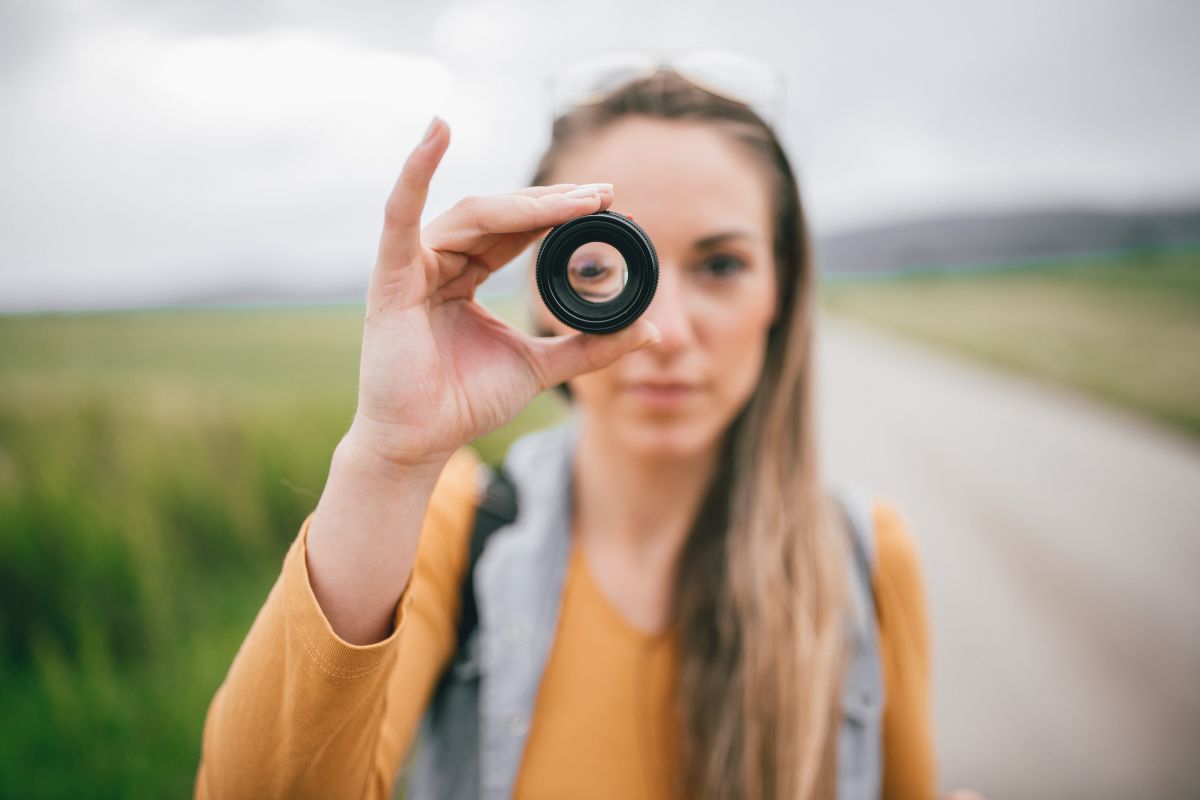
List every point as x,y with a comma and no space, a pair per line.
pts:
597,272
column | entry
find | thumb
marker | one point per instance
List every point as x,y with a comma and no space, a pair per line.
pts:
560,358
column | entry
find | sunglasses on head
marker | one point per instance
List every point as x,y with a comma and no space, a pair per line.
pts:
740,77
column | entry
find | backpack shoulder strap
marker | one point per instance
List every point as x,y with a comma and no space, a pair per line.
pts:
497,507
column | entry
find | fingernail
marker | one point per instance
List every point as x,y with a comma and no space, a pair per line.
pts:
429,131
589,190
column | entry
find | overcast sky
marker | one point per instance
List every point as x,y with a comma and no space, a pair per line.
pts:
161,149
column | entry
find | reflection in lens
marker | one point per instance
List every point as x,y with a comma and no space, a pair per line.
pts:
597,272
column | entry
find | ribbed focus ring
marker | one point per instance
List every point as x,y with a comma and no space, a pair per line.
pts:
635,247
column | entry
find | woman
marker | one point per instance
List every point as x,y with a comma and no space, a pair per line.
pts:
698,642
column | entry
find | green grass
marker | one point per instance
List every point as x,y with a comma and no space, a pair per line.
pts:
154,467
1125,329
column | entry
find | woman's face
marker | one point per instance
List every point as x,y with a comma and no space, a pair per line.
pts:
705,205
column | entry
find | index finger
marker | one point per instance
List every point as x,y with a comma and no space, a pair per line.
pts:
472,225
540,191
400,242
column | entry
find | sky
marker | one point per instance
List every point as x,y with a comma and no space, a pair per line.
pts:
152,152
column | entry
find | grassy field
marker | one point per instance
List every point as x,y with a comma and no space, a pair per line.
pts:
155,465
1125,329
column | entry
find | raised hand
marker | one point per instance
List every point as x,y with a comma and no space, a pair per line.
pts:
438,369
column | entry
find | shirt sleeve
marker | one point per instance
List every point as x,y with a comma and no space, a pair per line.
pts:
303,713
909,769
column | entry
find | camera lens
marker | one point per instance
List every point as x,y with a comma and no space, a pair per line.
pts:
597,273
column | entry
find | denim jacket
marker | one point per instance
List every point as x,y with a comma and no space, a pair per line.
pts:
474,730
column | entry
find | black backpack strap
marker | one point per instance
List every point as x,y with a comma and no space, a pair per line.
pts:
497,508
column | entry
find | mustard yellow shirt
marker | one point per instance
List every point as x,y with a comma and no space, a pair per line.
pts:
302,713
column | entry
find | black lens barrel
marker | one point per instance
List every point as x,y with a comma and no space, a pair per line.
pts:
640,258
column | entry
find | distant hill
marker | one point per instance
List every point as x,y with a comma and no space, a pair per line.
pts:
977,240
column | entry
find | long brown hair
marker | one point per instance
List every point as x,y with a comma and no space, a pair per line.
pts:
759,594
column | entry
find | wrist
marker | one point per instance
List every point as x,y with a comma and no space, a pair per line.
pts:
362,452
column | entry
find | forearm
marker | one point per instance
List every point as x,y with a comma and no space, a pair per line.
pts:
300,711
362,540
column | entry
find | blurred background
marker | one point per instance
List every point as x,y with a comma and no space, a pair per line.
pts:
1006,200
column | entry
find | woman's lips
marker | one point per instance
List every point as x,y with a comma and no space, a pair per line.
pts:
662,395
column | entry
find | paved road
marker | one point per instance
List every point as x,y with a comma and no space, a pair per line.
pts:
1060,544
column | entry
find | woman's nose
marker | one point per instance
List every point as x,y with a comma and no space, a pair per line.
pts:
668,312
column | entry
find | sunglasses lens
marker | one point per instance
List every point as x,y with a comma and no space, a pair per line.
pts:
591,77
734,75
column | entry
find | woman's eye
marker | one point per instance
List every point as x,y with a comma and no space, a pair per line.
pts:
590,270
723,265
594,280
